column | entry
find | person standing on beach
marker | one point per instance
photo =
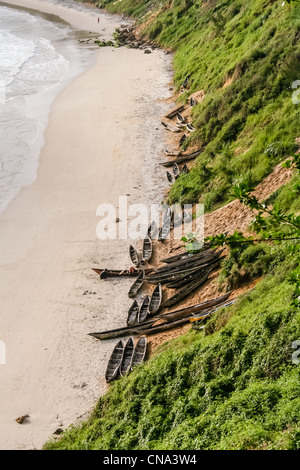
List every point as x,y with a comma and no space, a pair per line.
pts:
98,19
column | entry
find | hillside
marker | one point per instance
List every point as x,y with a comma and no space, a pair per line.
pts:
232,385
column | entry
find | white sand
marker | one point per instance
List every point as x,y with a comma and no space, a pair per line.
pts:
103,131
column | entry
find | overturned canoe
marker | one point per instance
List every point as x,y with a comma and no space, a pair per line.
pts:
155,300
136,285
187,290
134,258
164,231
114,362
144,309
139,353
127,357
133,313
188,311
147,249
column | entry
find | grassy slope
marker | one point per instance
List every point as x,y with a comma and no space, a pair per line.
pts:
233,386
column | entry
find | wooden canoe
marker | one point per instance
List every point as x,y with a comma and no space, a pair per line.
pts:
134,258
187,254
127,357
186,264
164,231
152,330
136,285
190,128
174,111
176,170
170,177
144,309
132,318
115,360
182,281
194,258
188,311
104,272
139,353
123,331
187,290
147,249
182,139
155,300
174,276
184,170
152,229
180,118
182,159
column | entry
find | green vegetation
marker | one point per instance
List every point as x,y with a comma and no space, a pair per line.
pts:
245,56
232,385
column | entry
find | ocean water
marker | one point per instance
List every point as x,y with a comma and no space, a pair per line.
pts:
38,58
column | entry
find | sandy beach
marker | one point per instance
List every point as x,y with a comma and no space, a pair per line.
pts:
103,140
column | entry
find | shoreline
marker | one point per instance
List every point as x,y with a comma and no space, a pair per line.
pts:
54,371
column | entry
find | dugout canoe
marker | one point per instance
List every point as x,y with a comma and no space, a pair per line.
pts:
132,272
188,311
155,300
127,357
133,311
139,353
115,360
136,285
134,258
147,249
123,331
144,309
186,291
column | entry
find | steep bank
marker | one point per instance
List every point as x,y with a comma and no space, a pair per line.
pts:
232,385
